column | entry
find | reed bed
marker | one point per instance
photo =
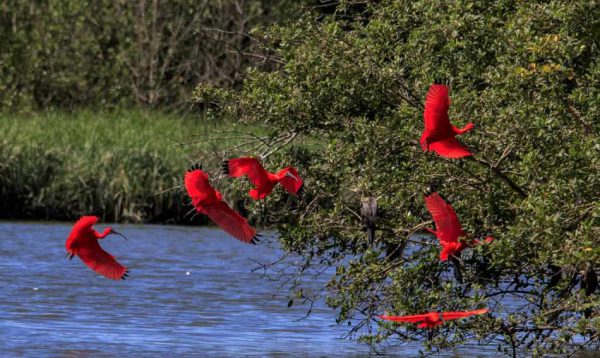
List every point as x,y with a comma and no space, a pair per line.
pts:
124,166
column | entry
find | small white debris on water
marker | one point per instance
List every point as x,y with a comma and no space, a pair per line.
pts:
187,273
35,288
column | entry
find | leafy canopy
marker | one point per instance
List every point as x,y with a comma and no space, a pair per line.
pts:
526,73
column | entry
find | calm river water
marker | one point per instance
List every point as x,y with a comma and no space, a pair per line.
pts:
190,292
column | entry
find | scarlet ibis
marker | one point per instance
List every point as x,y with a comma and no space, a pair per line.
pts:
209,202
263,180
448,229
433,319
439,134
83,242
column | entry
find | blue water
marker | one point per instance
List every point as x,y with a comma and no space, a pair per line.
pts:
190,291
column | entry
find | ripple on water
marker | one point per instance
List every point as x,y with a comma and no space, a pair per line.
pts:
221,308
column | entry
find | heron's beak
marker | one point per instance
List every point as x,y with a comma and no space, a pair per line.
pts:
118,233
70,255
288,174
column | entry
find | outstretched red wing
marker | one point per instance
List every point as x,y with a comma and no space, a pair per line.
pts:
446,223
290,184
446,316
230,221
197,186
437,102
411,319
84,224
249,167
449,148
82,228
100,261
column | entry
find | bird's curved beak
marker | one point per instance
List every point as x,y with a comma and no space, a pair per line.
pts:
288,174
118,233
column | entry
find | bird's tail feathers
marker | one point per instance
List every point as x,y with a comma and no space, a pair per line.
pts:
371,234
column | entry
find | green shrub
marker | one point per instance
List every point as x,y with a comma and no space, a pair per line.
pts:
526,74
124,166
105,53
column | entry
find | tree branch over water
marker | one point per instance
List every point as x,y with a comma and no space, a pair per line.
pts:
349,89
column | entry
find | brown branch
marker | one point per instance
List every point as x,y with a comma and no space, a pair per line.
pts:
586,126
501,176
272,148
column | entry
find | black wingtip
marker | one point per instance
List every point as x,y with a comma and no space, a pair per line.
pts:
256,239
428,191
225,167
125,275
195,166
431,188
441,81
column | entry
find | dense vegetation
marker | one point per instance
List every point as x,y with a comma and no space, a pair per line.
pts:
526,73
124,166
71,67
105,53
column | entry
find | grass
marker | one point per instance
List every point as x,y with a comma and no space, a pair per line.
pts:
121,166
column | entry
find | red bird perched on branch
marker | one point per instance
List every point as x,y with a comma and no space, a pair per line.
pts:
448,229
433,319
439,134
262,179
83,242
209,202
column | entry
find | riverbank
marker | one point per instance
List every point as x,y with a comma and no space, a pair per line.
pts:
124,166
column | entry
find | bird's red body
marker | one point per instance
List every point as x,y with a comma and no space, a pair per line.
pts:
83,242
209,202
263,181
433,319
448,228
439,134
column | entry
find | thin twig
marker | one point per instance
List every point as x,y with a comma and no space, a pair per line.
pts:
502,176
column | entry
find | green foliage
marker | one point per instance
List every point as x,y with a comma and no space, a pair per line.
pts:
526,73
101,53
122,166
61,53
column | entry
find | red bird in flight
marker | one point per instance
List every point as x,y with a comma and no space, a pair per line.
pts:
209,202
263,180
433,319
439,134
448,229
83,242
